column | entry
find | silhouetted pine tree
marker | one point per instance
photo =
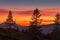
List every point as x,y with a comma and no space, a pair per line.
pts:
55,35
35,22
35,18
57,18
34,32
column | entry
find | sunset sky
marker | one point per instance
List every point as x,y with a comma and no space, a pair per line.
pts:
22,10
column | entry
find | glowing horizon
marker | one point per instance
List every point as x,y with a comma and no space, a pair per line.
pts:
24,17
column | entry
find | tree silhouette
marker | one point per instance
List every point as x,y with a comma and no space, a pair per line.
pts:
35,18
57,19
34,32
55,35
35,22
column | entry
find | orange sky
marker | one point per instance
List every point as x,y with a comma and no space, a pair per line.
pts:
23,17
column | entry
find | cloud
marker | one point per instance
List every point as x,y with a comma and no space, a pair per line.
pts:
3,11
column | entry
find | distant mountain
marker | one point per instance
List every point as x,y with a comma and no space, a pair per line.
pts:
48,28
45,28
15,26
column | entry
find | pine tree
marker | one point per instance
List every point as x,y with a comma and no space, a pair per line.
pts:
34,29
57,19
35,18
55,35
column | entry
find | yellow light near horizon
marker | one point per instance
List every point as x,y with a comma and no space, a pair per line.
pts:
24,19
48,17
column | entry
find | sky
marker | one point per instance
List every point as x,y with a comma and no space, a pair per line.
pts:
29,4
22,10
